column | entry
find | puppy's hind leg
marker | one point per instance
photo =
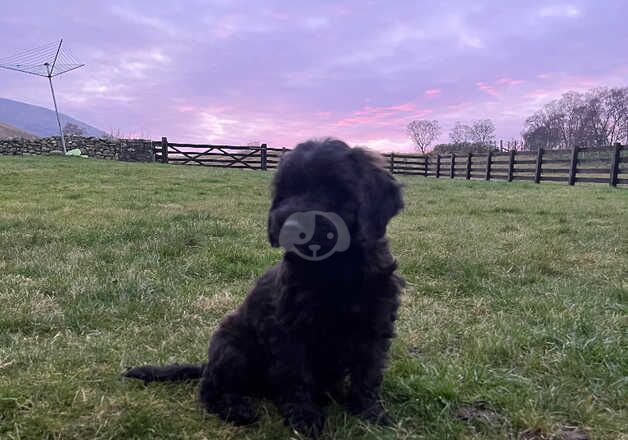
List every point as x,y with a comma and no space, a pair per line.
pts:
226,383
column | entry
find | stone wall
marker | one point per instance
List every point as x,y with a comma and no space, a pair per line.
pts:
129,150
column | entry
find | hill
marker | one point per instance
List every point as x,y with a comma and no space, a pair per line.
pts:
37,120
8,131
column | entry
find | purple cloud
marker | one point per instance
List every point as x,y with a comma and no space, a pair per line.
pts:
277,72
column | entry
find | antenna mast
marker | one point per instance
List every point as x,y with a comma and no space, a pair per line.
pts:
48,61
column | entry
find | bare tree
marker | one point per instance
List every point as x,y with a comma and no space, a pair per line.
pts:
71,129
483,132
608,111
597,118
512,145
423,133
542,130
571,115
460,134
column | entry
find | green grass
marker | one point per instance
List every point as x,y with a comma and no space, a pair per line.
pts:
516,296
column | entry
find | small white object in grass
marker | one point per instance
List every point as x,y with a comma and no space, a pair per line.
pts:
76,152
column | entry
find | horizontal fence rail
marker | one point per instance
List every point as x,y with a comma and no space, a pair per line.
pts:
587,165
221,156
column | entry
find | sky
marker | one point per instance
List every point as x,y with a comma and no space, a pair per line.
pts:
280,72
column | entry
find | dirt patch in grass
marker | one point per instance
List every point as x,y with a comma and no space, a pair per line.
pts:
564,433
480,411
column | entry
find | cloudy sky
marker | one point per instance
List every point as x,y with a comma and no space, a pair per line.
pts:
279,72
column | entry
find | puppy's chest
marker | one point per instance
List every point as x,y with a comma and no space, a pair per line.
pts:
327,311
337,318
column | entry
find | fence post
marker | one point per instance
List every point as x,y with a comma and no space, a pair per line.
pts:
164,149
438,165
392,163
427,158
612,178
469,156
263,157
539,165
452,171
573,165
511,165
489,159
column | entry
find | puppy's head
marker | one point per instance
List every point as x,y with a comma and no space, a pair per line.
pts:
328,197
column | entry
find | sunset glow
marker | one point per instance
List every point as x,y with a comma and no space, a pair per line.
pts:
280,72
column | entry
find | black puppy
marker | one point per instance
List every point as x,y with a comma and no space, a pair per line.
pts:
310,324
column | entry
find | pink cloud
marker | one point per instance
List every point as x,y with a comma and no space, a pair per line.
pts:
370,110
322,114
487,88
432,92
497,88
279,15
509,81
579,82
458,106
383,116
355,121
538,93
186,108
379,127
383,144
407,107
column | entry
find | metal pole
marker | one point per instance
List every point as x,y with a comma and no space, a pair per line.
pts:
54,100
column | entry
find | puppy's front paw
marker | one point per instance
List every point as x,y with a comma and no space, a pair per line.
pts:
372,412
308,420
232,408
377,416
240,414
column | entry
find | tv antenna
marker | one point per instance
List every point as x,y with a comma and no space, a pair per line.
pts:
48,61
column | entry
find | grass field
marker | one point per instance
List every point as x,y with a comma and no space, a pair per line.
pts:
513,321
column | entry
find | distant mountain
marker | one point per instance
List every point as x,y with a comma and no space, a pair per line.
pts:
8,131
37,120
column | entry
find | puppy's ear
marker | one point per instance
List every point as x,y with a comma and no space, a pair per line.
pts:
273,237
273,227
273,221
380,194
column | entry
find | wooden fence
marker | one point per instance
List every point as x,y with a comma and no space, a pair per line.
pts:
222,156
593,165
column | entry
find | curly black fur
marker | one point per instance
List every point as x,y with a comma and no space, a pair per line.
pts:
309,327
